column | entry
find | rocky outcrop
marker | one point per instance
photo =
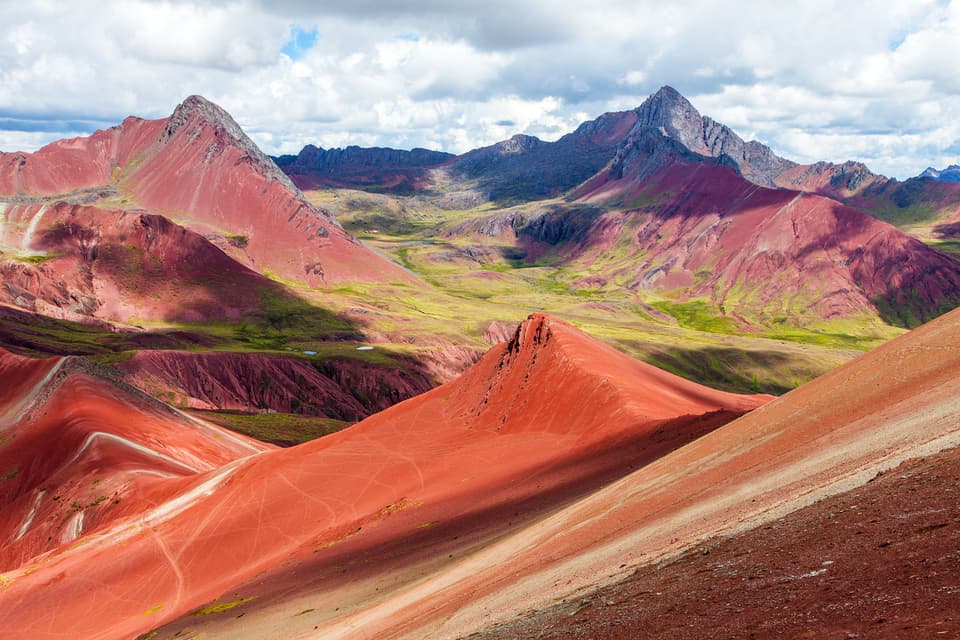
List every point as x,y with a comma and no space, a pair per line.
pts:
195,111
339,388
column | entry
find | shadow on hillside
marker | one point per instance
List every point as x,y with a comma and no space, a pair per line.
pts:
527,496
730,369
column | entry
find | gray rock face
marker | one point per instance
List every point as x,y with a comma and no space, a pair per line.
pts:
674,117
526,168
646,151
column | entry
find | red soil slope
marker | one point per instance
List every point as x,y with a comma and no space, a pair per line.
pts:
78,452
835,433
537,416
879,561
199,168
118,264
754,250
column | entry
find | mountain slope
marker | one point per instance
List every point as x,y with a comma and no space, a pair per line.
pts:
760,253
876,561
897,402
80,451
472,458
121,264
198,167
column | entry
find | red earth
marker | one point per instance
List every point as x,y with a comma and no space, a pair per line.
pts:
493,442
826,437
498,494
395,578
879,561
121,264
79,452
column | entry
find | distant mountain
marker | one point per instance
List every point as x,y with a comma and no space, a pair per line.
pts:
522,168
375,168
678,210
672,115
950,174
526,168
696,226
900,203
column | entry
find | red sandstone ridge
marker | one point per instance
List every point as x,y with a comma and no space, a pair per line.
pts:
198,167
345,389
537,422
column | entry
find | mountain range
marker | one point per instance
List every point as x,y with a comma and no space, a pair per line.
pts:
666,200
370,393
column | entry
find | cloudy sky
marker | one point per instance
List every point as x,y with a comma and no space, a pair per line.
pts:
869,81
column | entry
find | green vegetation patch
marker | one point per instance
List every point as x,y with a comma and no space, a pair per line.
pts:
699,315
220,607
282,429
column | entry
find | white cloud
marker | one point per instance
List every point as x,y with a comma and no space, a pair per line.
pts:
824,79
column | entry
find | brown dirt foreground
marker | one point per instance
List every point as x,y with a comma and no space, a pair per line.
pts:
880,561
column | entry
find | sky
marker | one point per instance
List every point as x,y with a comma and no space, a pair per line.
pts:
872,81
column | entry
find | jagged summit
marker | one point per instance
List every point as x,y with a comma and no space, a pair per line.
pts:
672,114
674,117
196,111
518,143
950,174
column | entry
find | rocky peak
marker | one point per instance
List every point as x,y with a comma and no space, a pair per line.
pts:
196,112
518,144
674,116
531,334
950,174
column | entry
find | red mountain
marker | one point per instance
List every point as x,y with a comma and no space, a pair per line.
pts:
896,405
80,451
119,264
698,227
539,421
197,168
834,434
